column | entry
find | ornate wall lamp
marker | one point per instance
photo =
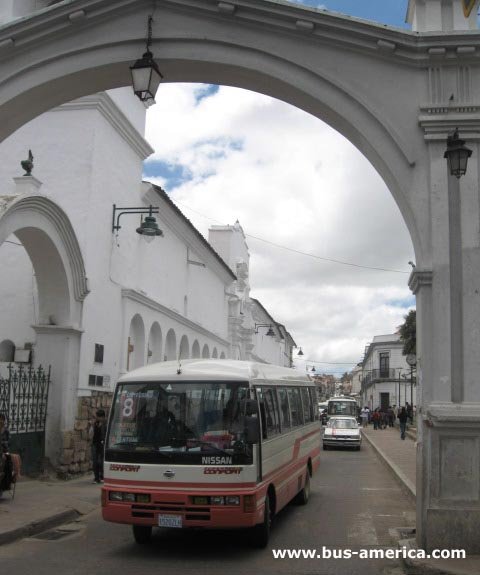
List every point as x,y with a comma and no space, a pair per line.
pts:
270,331
457,155
148,229
146,76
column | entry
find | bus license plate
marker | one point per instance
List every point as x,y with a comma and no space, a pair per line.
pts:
170,521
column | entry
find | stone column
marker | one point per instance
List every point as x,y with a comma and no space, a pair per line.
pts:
448,394
59,347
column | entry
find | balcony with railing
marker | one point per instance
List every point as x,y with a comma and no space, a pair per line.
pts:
378,375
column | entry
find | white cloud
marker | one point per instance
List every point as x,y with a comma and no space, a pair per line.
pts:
289,178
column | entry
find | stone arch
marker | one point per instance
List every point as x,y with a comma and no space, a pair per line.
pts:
215,353
196,350
170,346
87,61
50,241
184,351
136,343
154,351
205,351
7,351
222,355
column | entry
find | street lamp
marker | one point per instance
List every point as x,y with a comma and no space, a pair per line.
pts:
412,362
300,352
457,155
270,331
148,229
146,76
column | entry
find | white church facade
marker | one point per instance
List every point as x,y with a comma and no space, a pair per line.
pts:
176,297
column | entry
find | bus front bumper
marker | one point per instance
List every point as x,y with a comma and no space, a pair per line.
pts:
177,510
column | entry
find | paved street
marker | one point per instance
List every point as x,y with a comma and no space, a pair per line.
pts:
354,503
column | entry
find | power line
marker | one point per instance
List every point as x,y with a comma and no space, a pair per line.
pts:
314,256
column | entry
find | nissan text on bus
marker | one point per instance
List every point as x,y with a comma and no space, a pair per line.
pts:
213,444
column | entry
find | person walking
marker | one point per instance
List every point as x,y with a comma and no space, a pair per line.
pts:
364,416
98,432
376,419
6,466
390,416
402,417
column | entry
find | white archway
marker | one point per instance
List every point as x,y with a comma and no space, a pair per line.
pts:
184,352
215,353
136,343
196,350
323,65
48,237
170,346
154,351
205,351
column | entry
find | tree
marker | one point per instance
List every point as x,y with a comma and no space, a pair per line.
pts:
408,333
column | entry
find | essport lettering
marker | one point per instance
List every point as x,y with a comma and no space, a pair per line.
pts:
119,467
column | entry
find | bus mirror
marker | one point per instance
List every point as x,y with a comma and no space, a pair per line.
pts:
252,429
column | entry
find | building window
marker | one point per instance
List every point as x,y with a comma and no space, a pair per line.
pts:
384,364
95,380
98,353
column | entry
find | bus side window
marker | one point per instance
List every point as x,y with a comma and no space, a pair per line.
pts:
307,413
313,403
295,406
284,410
271,412
263,418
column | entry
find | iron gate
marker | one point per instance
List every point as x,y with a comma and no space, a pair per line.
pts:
23,399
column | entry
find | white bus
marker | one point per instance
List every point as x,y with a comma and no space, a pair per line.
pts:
209,444
342,405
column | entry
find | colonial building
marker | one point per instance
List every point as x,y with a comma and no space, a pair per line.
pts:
387,379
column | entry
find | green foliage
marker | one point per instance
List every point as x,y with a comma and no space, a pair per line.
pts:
408,333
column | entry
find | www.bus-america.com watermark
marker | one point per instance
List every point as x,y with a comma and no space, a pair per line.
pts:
400,553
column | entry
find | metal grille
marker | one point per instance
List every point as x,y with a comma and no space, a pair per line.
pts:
24,397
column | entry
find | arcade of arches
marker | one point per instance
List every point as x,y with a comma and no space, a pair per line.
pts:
394,94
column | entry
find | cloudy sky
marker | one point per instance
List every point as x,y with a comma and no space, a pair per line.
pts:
304,197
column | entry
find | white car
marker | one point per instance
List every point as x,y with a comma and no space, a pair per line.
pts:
342,432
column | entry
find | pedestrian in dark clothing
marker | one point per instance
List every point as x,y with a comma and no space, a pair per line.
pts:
403,416
390,416
376,419
6,466
98,432
409,410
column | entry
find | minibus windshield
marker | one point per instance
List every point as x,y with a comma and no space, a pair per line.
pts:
182,422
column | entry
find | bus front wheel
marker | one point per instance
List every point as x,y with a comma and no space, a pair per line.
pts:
142,534
260,534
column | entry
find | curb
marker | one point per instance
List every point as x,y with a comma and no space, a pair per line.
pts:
398,473
36,527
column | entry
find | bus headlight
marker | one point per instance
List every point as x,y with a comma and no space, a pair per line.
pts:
217,500
232,500
115,496
129,497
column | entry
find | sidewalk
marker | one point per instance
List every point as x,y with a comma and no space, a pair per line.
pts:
41,505
400,456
